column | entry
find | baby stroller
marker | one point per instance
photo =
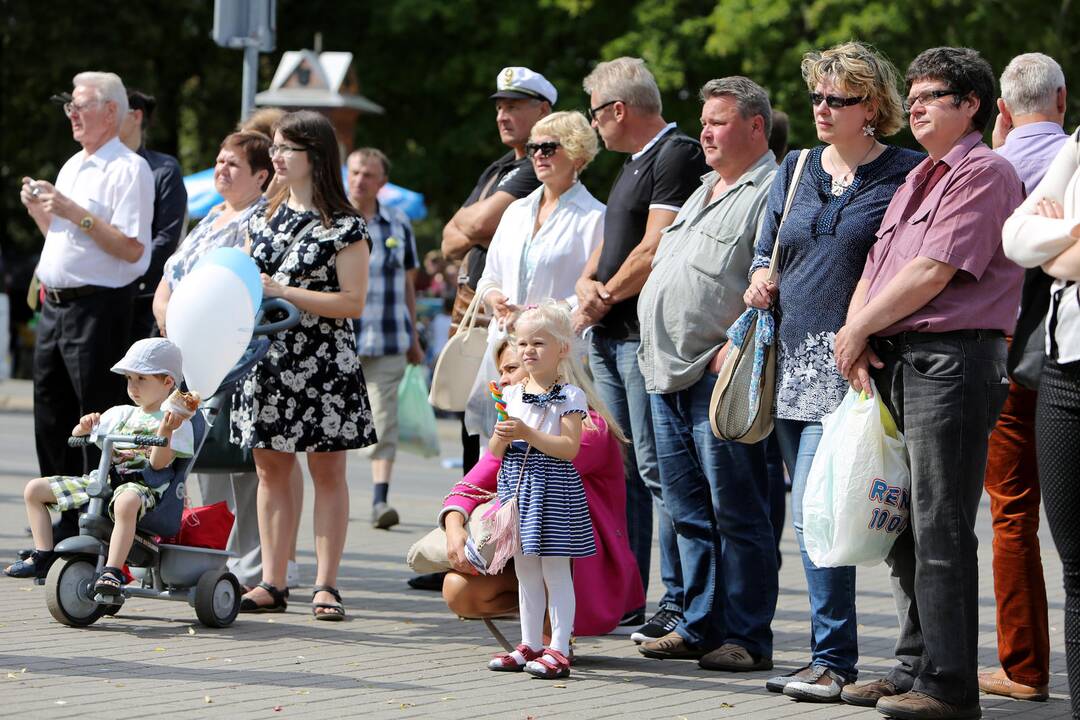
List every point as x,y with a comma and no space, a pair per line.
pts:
193,575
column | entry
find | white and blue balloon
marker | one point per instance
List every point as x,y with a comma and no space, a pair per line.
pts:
211,316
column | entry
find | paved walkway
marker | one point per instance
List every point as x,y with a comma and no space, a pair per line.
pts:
403,655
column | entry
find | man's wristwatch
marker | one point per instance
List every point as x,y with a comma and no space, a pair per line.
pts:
87,223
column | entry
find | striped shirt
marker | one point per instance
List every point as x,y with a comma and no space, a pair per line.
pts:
386,325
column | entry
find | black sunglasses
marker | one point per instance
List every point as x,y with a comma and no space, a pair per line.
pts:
834,101
547,149
591,112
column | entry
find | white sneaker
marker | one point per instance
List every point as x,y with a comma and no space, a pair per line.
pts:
825,687
292,575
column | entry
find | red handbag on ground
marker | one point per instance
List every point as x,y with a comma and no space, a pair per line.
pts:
208,526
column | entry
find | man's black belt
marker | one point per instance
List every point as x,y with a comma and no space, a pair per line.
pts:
903,339
59,296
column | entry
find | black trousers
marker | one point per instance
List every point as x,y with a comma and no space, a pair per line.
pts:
78,341
1057,444
945,391
143,323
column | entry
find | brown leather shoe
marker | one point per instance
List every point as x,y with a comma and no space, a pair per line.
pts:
914,705
998,683
670,647
868,693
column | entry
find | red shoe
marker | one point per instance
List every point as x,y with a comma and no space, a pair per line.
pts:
505,662
550,665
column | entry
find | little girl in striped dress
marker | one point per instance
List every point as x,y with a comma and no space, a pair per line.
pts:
537,443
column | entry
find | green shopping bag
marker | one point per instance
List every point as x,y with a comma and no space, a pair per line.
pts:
417,431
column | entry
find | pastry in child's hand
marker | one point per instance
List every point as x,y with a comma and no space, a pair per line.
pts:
182,403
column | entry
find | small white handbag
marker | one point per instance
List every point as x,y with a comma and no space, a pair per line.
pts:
459,362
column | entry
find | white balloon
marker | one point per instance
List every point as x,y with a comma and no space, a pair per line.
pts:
210,318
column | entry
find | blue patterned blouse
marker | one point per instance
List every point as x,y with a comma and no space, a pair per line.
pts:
205,238
823,247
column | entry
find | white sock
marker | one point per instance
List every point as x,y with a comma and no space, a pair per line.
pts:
531,602
561,602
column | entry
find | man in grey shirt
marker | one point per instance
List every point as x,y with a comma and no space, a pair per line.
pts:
717,492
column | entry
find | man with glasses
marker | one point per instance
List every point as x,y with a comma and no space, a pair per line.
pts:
170,207
663,168
928,322
96,222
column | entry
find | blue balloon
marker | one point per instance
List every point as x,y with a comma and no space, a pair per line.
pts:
241,264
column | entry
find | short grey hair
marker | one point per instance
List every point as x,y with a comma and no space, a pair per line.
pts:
367,154
1030,84
626,80
749,97
109,88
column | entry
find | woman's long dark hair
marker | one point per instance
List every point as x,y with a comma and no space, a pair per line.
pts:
315,134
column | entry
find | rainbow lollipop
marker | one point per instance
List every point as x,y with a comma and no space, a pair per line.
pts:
497,396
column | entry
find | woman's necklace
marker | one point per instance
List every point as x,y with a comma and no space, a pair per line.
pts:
845,180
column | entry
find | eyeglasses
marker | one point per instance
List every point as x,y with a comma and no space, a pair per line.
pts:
71,109
547,149
834,101
925,98
286,150
592,112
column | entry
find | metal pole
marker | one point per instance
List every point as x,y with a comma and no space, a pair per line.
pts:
251,77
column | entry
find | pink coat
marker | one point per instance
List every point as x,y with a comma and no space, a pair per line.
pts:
607,585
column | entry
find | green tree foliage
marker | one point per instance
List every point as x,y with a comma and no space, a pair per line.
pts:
433,63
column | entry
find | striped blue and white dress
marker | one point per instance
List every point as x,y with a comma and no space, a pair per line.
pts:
552,508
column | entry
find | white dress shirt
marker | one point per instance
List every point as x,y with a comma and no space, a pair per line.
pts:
116,186
1031,240
530,268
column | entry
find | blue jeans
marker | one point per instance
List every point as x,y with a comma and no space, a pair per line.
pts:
621,386
834,639
718,495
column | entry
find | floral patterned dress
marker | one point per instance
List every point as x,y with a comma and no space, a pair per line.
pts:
307,394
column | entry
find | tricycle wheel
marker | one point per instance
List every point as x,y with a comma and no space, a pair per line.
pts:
217,598
69,591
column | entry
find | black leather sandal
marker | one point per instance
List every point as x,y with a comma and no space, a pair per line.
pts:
109,583
336,610
34,564
247,605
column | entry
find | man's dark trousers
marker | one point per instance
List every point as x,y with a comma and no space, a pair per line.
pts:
945,391
78,341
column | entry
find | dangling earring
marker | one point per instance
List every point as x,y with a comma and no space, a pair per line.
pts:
868,129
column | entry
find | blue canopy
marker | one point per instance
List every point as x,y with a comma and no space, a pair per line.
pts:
202,196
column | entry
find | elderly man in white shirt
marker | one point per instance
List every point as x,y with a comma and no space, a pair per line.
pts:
96,223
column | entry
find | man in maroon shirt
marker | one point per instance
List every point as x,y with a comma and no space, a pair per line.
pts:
928,322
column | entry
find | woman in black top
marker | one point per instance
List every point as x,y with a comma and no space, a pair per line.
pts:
307,395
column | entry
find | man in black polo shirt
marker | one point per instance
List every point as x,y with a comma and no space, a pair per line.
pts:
664,168
522,97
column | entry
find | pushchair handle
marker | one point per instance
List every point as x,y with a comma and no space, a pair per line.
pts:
292,317
143,440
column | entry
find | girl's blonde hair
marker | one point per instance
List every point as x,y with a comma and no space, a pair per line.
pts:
554,319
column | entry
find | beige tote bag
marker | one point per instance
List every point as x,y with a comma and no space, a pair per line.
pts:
459,362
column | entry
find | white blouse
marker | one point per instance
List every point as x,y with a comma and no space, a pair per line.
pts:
545,415
528,268
1031,240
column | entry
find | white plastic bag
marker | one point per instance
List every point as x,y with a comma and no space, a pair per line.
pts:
858,493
